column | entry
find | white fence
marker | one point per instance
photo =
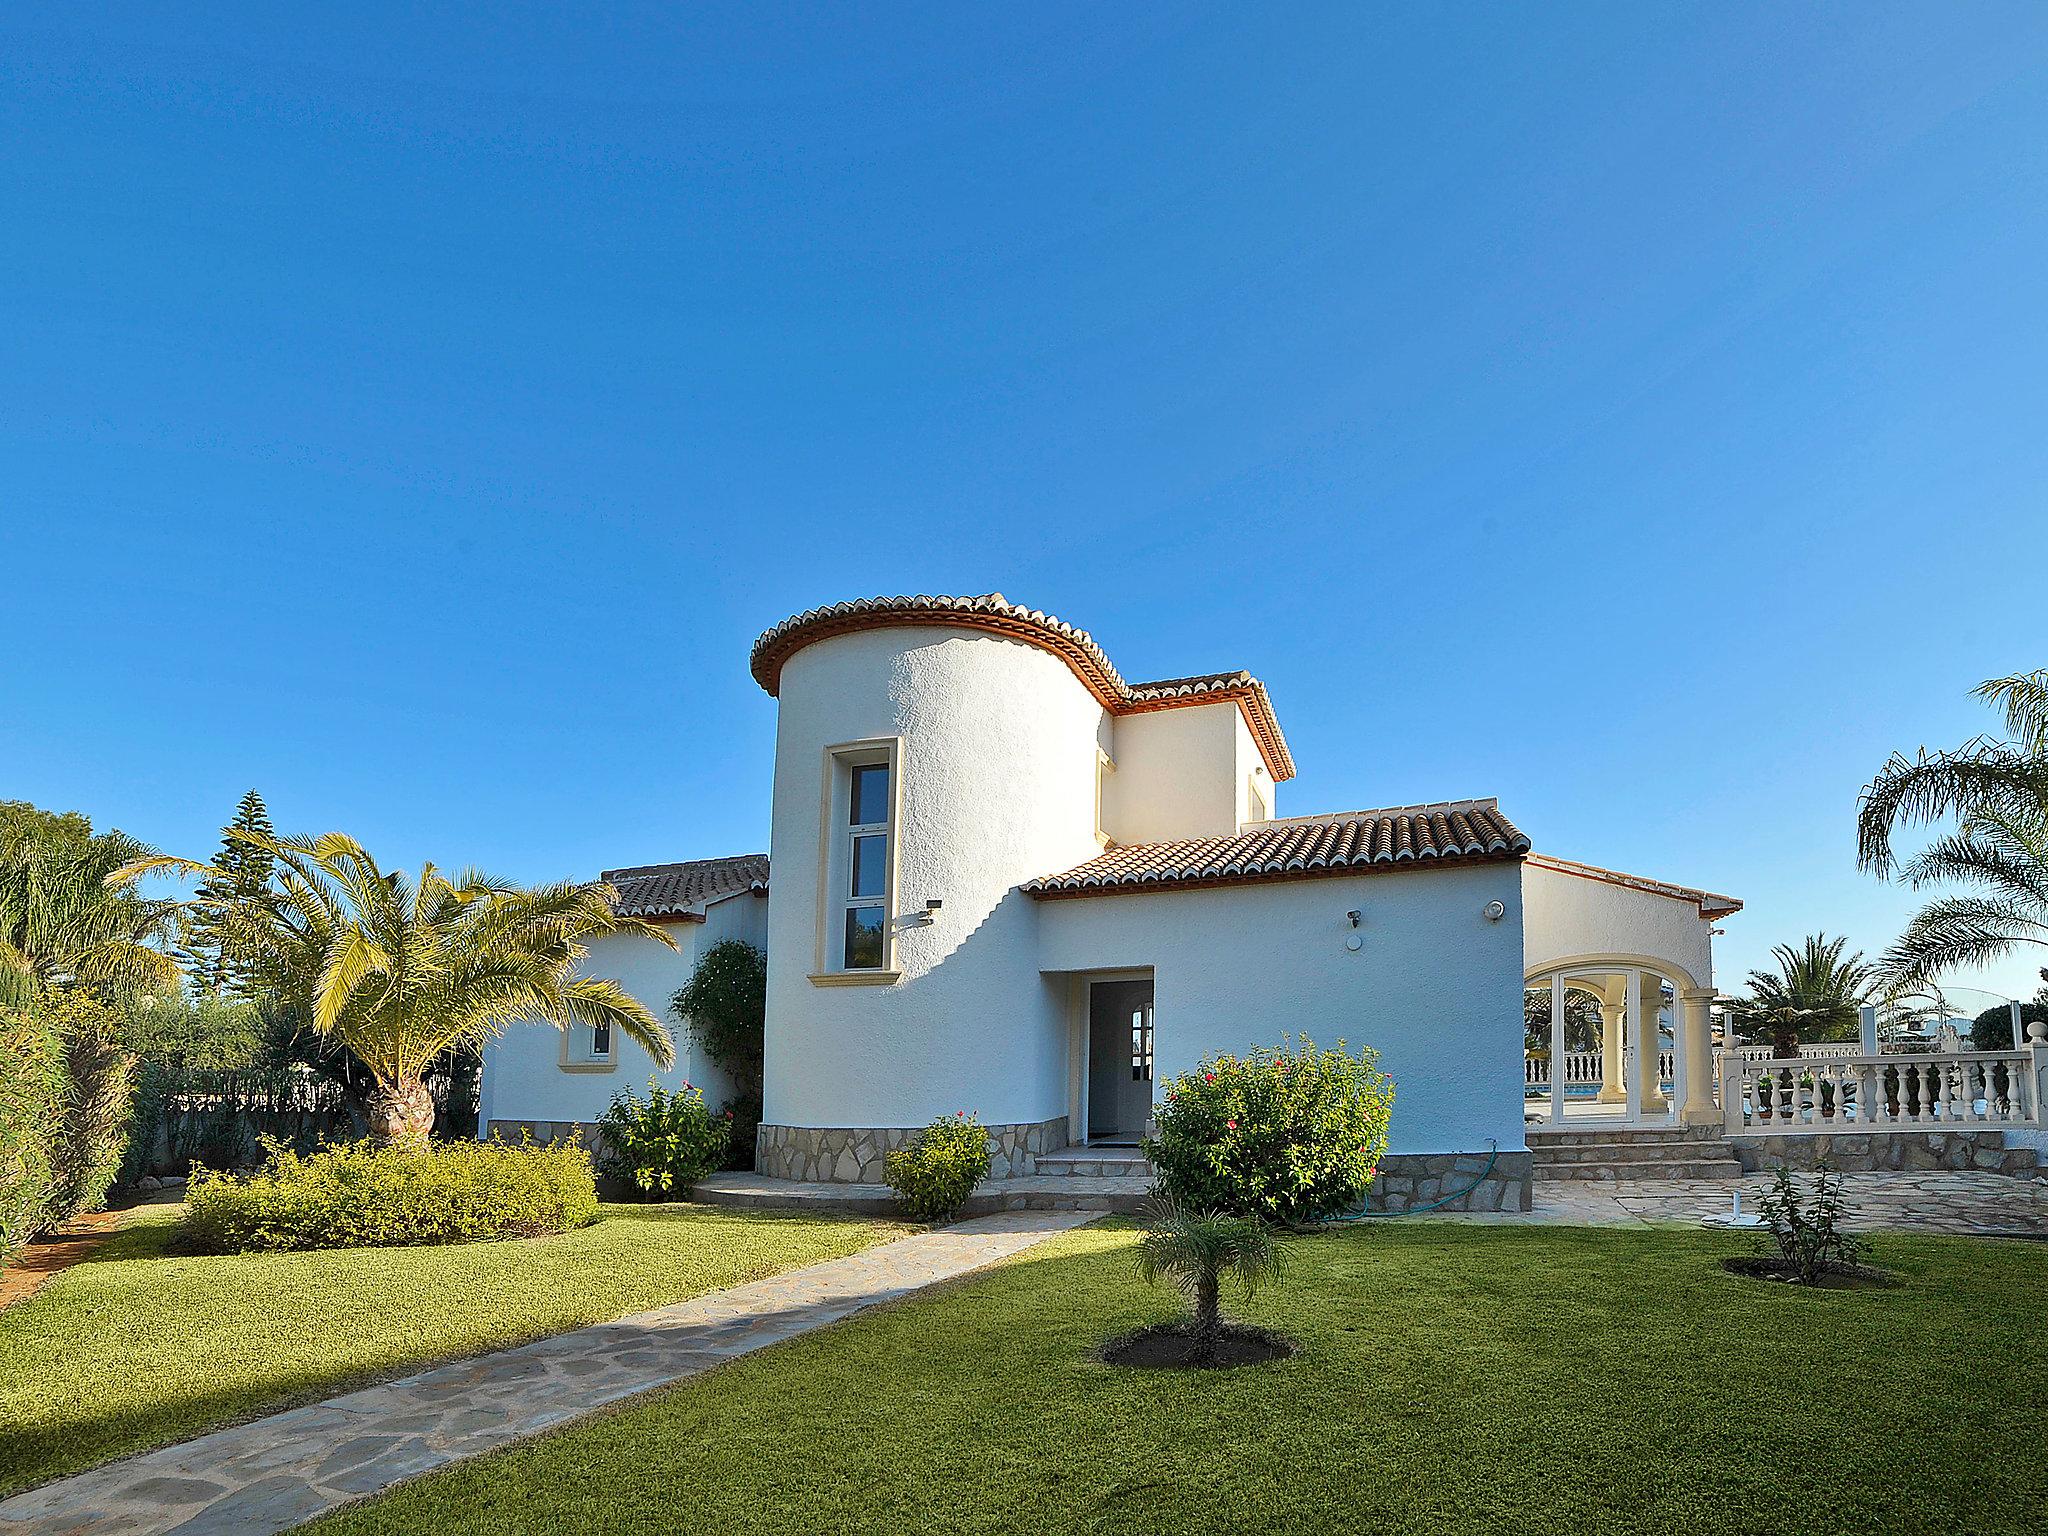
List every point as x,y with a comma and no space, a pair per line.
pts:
1582,1068
1857,1092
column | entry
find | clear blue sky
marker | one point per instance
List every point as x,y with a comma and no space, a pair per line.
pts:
1635,412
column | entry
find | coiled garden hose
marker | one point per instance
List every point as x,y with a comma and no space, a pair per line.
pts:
1362,1214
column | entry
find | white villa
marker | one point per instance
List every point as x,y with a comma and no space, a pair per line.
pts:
1007,881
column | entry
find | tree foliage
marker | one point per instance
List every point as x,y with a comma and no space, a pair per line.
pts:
1995,794
69,911
1815,994
399,969
1195,1250
245,866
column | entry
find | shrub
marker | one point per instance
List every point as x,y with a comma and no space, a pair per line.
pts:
92,1133
402,1195
31,1094
1807,1230
1289,1135
662,1144
724,1005
937,1172
1195,1250
1991,1030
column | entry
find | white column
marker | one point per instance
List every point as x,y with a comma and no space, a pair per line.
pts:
1557,1050
1696,1044
1643,999
1612,1089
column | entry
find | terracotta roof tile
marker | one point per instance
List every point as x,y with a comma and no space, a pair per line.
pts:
1456,831
680,890
996,614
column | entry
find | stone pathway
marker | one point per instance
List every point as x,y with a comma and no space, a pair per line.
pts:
274,1473
1962,1203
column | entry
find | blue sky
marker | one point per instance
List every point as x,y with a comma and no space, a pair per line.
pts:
1635,412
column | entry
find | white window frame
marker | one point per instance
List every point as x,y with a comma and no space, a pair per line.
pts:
580,1053
837,836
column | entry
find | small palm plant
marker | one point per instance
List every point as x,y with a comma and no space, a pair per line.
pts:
1195,1250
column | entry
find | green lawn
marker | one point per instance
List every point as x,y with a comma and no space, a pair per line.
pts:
1454,1379
136,1347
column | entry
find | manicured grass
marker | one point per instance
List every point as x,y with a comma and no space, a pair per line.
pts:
138,1347
1453,1379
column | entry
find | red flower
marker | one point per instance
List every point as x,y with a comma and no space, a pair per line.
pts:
1230,1125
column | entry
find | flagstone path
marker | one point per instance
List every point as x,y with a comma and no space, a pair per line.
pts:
273,1473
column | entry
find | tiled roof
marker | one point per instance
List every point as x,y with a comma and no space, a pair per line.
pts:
1406,836
996,615
679,890
1710,905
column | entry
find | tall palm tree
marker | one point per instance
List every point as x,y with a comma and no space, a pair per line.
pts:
65,920
399,969
1996,793
1815,987
1195,1249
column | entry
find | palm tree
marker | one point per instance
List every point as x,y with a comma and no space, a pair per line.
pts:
1996,792
1815,987
398,970
1195,1249
68,915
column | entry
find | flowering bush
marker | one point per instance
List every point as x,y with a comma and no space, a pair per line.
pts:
662,1144
936,1173
1290,1135
364,1196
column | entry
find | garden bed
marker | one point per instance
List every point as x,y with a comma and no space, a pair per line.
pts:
1833,1277
1173,1345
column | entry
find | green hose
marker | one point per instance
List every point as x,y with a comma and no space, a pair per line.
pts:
1362,1214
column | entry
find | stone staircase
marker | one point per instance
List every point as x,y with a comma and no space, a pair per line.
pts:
1094,1163
1634,1152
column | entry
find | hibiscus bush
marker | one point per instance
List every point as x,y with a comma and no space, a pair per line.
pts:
657,1147
1291,1134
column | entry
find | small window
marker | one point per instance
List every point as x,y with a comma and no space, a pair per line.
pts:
862,864
601,1041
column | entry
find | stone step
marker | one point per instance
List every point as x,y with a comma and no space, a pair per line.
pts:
1632,1152
1094,1163
1540,1137
1611,1172
1108,1193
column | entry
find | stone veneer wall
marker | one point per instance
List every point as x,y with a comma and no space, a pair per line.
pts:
1409,1179
1884,1151
853,1154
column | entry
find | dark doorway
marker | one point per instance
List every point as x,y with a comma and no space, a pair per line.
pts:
1119,1060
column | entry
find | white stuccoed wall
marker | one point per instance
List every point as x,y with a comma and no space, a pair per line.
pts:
1435,987
999,752
1571,916
1179,774
523,1078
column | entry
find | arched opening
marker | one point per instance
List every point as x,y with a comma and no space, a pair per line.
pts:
1606,1041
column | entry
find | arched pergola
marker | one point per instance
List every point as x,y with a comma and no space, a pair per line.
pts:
1628,989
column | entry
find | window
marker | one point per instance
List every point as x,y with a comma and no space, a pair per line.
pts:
862,869
1255,807
601,1041
1141,1044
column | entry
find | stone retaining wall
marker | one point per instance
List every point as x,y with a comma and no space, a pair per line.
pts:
854,1154
1409,1179
1884,1151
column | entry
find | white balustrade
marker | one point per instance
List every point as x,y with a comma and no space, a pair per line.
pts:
1581,1069
1812,1092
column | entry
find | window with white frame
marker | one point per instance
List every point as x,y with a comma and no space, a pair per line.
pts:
858,872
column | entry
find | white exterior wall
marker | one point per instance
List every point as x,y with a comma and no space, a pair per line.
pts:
1435,987
1177,774
1571,917
523,1077
998,758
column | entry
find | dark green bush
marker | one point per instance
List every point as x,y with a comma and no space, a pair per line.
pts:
1291,1135
99,1085
660,1145
31,1099
1991,1030
937,1172
361,1196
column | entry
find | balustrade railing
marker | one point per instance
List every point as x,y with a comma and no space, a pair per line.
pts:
1813,1092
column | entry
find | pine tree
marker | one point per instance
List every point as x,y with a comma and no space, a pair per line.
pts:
244,876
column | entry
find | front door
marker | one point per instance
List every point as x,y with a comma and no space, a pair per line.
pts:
1119,1060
